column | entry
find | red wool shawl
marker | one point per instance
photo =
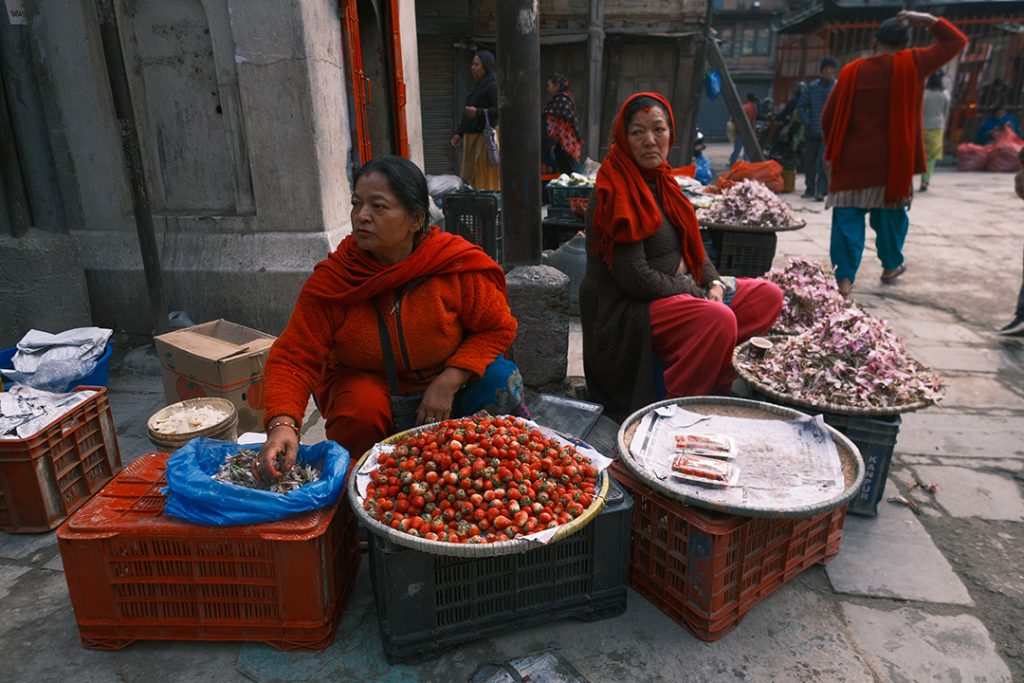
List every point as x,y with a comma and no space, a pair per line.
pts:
626,209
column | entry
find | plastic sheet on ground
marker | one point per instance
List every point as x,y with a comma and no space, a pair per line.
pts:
782,463
24,410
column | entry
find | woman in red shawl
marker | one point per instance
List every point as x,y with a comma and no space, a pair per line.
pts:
874,142
562,145
434,301
649,290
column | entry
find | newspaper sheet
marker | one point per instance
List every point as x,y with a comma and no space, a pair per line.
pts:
24,410
782,463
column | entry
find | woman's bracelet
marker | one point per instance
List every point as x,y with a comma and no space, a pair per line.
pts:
281,423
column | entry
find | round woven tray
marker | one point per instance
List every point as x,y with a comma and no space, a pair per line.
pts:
752,228
849,455
741,361
516,545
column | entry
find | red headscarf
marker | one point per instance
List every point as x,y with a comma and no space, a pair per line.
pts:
626,208
351,275
906,92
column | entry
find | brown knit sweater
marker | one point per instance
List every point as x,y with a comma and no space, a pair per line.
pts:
615,315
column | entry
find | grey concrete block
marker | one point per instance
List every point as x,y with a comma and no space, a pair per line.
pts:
911,645
968,493
892,556
41,286
539,297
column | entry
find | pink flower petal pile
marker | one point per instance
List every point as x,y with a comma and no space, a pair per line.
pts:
809,294
847,358
749,202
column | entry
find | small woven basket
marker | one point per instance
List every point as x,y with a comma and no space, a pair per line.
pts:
516,545
742,360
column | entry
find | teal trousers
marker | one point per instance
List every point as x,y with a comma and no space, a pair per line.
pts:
847,244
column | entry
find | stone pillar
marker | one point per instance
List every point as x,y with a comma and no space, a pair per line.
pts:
539,297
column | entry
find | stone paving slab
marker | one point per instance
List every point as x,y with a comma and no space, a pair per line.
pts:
795,635
910,645
56,563
8,575
941,431
968,493
21,546
980,392
964,359
934,331
892,556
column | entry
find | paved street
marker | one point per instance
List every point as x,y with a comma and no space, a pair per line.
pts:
911,597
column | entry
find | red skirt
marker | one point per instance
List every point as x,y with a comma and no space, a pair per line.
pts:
695,337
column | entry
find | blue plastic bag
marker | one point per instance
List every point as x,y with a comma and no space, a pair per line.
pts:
194,495
703,172
713,84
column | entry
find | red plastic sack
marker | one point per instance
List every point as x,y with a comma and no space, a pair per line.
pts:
767,172
690,170
1004,157
971,157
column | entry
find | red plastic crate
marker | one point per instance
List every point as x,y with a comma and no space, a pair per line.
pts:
707,569
46,477
135,574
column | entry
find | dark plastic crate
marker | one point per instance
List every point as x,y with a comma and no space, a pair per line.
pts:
743,254
429,603
559,195
874,437
477,217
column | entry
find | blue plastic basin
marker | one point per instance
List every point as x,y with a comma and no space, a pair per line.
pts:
97,378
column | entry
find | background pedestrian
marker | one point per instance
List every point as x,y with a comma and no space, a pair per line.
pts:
481,107
809,108
562,144
935,109
750,111
872,124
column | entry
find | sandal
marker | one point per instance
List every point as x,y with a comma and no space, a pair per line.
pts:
893,274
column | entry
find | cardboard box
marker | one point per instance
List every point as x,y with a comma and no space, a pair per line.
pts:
218,358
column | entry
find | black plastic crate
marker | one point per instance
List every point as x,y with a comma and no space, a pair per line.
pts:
429,603
875,438
477,217
559,195
743,254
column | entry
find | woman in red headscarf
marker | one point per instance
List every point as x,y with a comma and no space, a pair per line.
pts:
402,323
649,290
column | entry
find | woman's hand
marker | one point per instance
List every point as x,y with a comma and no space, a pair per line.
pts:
681,270
716,293
456,140
908,18
471,112
282,445
437,399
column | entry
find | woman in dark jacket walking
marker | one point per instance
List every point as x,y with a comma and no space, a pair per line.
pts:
481,107
562,143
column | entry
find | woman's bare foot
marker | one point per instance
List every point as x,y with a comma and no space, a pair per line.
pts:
844,287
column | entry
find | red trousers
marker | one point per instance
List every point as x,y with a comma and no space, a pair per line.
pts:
695,337
357,410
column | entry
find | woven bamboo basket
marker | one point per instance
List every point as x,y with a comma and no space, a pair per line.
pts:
730,227
516,545
742,360
849,455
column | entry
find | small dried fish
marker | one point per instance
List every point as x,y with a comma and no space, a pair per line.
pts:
239,469
749,202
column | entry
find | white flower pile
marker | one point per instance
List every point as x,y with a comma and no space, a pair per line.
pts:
749,202
809,293
848,358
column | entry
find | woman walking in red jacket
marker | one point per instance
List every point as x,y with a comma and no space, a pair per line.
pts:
876,108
